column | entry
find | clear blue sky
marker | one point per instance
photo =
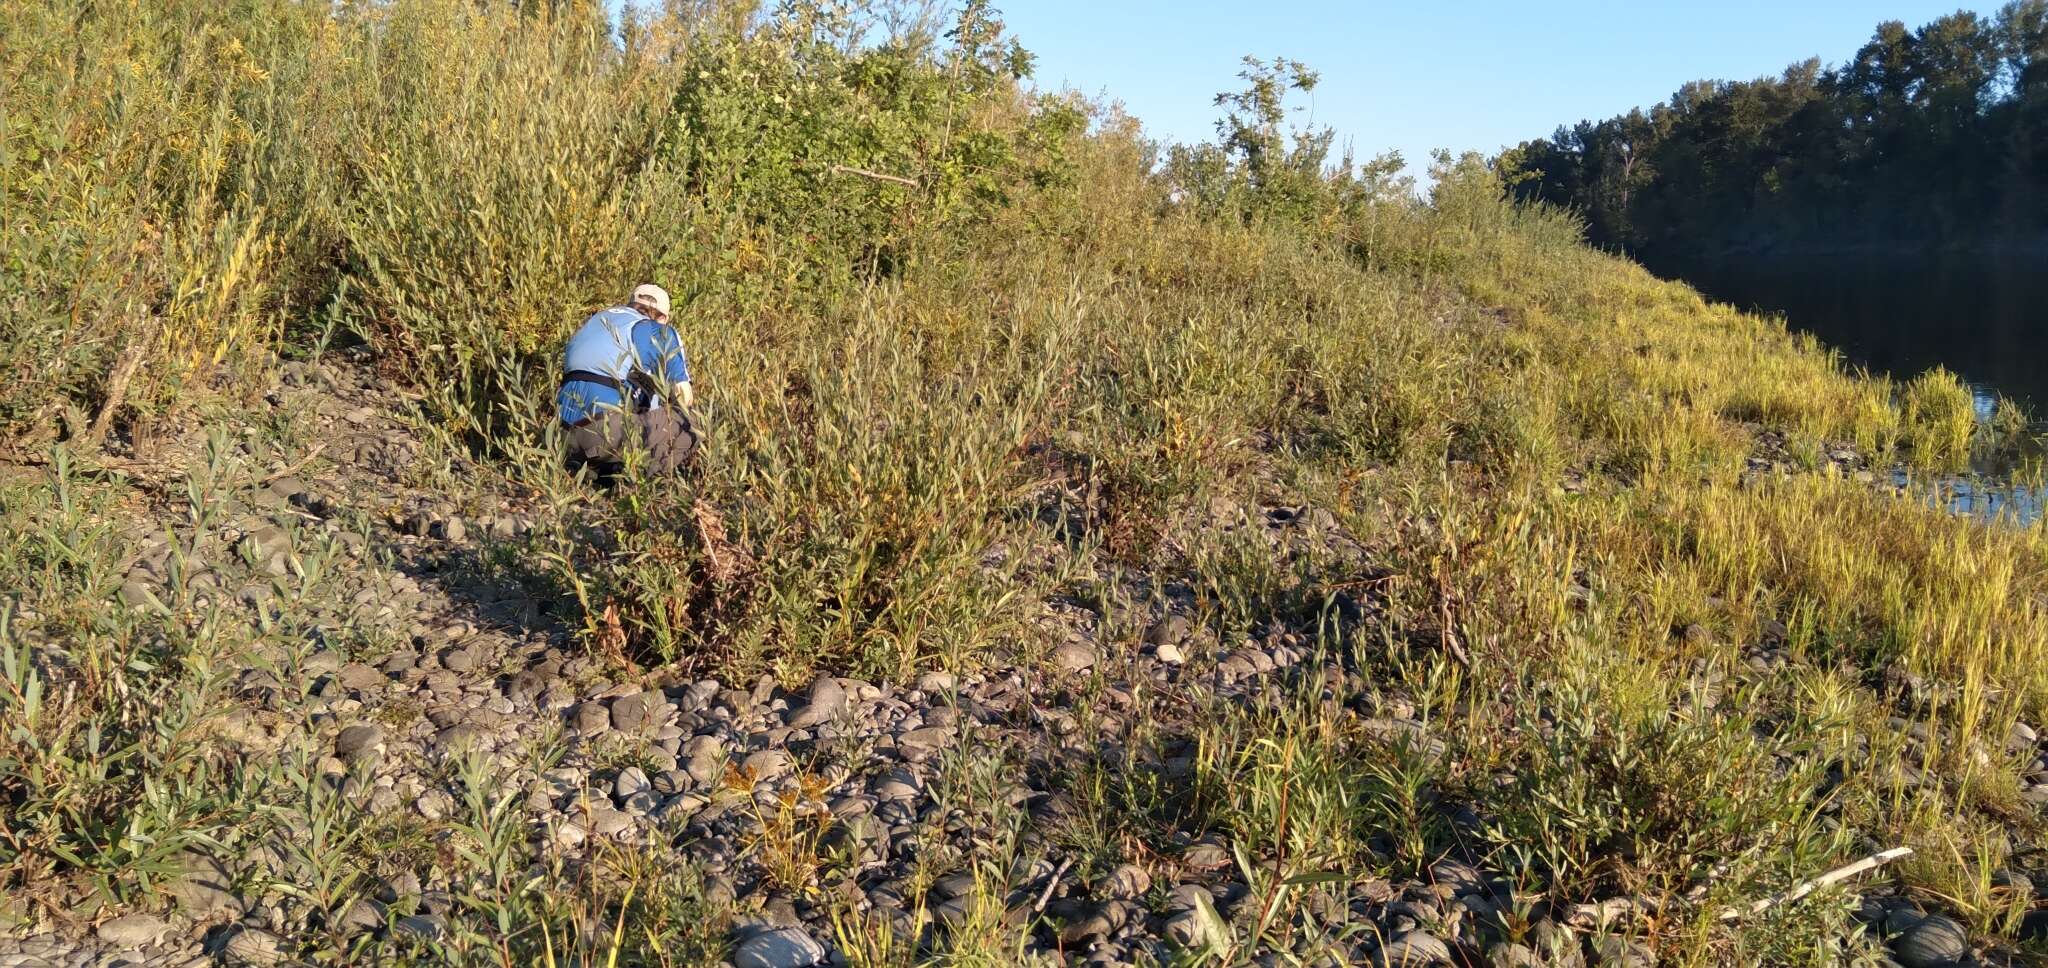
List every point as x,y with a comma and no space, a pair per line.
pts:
1420,75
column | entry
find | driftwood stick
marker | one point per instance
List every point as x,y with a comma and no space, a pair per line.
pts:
311,452
1835,876
878,176
1052,885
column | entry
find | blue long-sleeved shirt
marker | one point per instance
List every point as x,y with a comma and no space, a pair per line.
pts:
619,342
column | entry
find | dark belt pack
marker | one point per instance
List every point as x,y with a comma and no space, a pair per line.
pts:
588,376
640,397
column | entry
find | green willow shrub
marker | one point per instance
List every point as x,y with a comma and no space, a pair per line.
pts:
494,200
1620,793
94,697
839,153
130,225
1258,169
770,163
205,176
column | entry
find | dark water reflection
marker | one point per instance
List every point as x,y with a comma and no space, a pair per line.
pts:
1984,317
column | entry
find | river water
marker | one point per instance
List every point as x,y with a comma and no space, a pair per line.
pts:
1984,317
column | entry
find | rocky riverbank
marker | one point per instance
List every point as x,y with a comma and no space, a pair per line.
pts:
412,695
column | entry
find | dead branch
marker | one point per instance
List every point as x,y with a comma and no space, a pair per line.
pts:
878,176
311,452
117,389
1835,876
1052,885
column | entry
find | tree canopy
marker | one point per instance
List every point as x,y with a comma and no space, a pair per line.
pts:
1932,136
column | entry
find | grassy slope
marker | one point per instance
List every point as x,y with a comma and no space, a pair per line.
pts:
1653,671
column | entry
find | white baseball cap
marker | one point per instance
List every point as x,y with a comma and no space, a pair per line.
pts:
654,296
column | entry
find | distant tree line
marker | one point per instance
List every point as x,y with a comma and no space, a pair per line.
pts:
1926,137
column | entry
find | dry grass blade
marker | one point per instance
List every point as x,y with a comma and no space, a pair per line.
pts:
611,638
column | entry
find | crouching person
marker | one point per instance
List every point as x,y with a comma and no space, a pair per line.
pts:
626,385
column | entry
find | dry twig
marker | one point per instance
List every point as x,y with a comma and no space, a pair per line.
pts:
1835,876
311,452
878,176
1052,885
117,389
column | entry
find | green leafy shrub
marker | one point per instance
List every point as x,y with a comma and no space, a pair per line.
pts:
94,695
133,232
1619,793
843,151
491,202
1258,169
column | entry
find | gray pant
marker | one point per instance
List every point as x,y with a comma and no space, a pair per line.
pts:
665,435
